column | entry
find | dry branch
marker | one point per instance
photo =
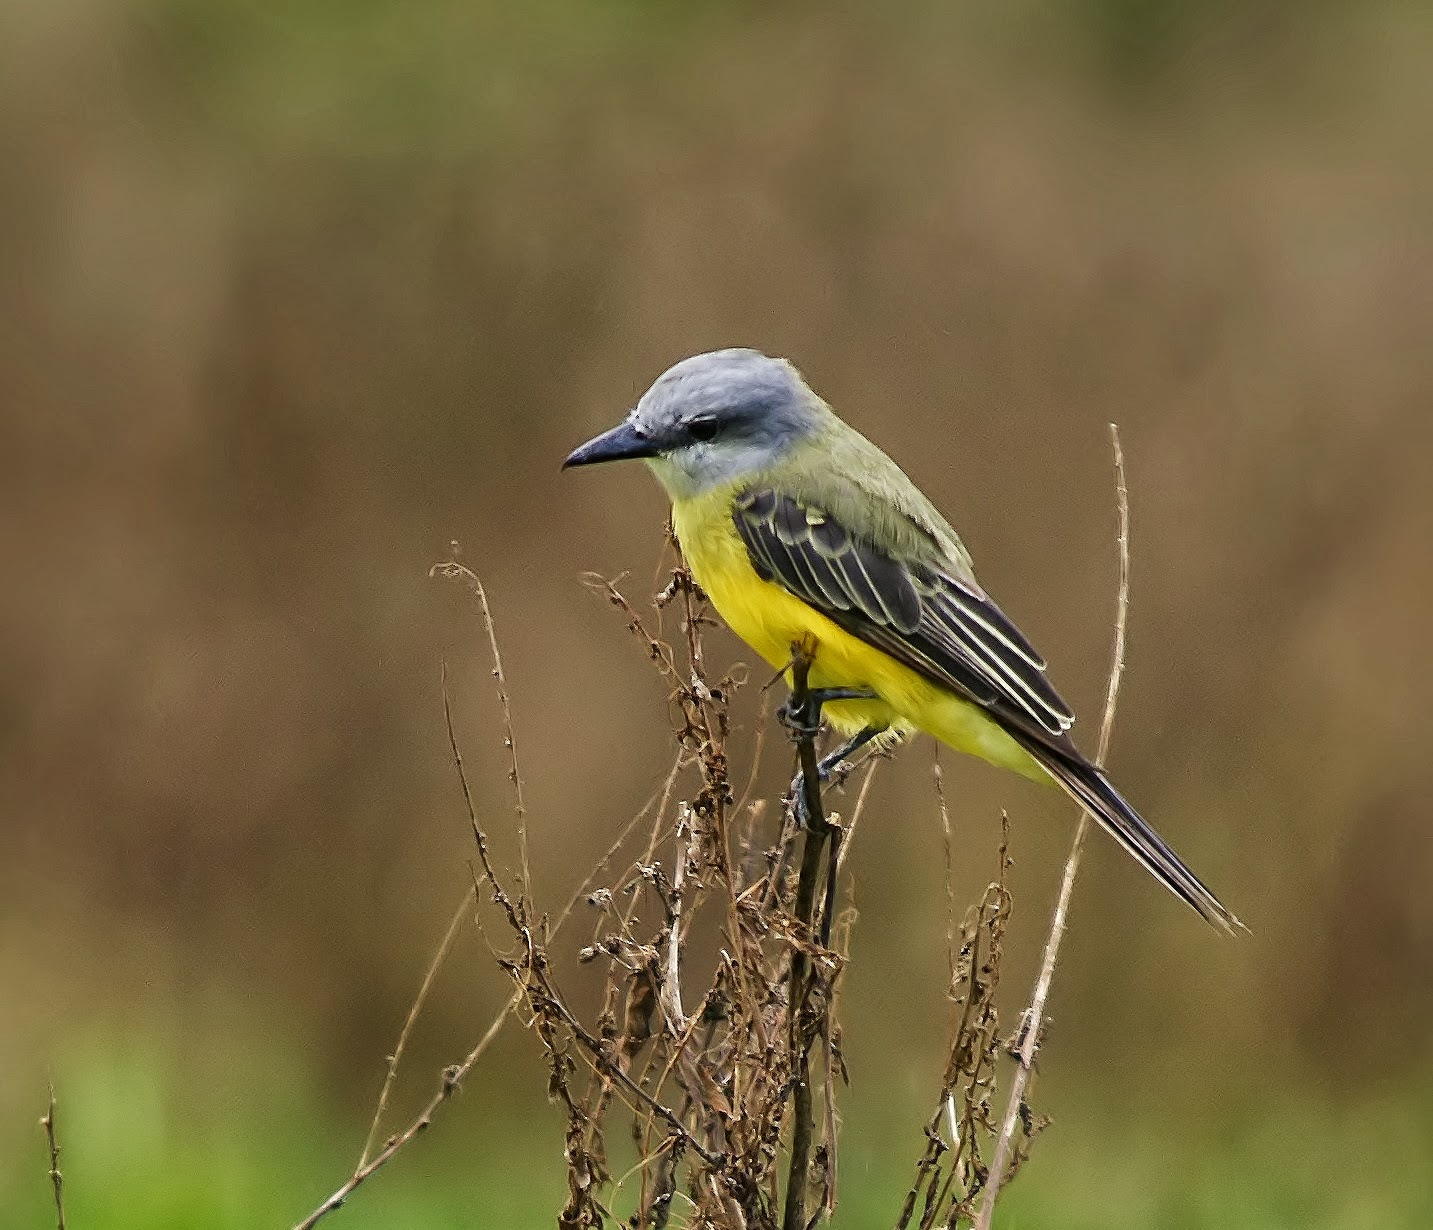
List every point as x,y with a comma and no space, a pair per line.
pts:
1031,1026
57,1181
722,969
452,1078
412,1019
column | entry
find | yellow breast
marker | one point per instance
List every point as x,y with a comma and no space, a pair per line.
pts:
771,621
764,615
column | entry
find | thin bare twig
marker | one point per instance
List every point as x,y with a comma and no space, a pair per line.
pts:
535,984
598,1055
872,763
515,912
1030,1029
454,570
950,1173
452,1078
727,1078
413,1012
494,1026
56,1179
947,843
829,1070
672,981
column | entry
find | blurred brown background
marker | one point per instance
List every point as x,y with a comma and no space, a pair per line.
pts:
294,295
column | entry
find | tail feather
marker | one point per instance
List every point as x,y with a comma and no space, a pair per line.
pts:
1089,787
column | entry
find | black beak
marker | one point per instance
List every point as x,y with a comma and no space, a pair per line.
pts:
622,443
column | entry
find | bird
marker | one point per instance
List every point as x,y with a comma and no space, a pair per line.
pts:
803,532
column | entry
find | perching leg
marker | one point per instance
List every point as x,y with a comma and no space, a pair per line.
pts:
855,743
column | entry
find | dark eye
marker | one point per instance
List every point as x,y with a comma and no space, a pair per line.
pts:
704,428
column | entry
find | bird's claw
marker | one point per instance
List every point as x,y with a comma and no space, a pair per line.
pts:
803,721
798,804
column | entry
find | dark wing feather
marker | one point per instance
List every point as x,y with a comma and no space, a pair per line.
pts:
944,627
934,622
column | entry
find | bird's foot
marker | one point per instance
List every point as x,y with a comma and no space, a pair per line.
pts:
831,763
799,809
827,767
804,720
801,721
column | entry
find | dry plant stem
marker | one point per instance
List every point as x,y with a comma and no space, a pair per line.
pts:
693,696
456,1072
872,763
828,1067
717,1077
539,989
600,1060
454,1075
453,570
672,982
817,831
57,1181
1030,1028
513,910
624,923
452,1078
703,848
494,1026
938,776
950,1173
413,1013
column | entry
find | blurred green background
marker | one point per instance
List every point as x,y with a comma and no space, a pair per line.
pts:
295,293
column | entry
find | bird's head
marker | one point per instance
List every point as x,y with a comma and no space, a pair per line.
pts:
712,419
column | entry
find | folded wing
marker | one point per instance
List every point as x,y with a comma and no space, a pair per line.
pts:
944,627
927,617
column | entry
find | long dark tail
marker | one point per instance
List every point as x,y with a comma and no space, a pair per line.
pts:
1089,787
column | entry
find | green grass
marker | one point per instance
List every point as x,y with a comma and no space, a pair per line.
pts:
259,1147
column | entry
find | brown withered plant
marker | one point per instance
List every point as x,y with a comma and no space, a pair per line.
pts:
712,1059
